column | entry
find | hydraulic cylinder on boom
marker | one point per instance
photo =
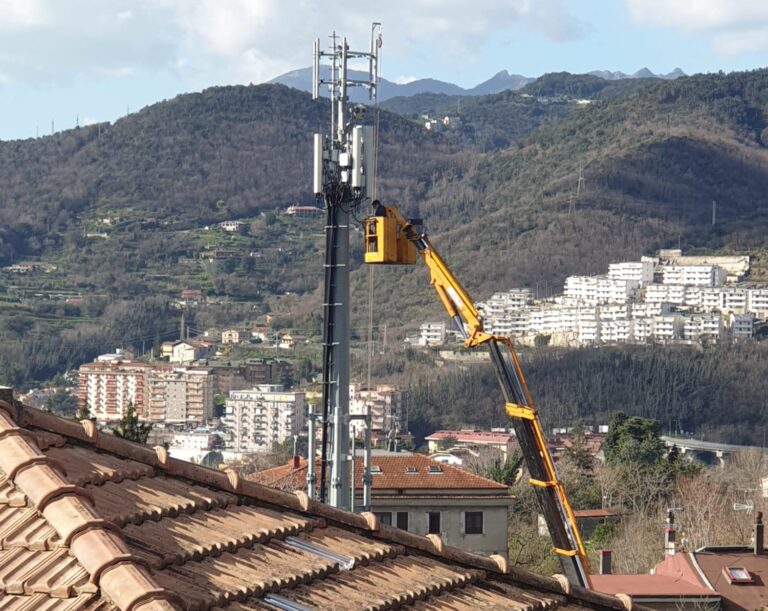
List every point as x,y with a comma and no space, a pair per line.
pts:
392,239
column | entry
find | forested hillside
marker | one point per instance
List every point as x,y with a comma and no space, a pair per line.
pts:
720,393
653,157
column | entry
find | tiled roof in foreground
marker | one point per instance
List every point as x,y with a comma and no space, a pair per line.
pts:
90,521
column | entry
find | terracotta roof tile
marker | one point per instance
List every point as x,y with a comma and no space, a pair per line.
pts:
187,537
23,527
409,471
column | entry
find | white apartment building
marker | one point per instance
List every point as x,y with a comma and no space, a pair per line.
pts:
616,331
388,406
757,302
432,334
613,312
261,417
740,326
665,293
696,275
635,271
641,329
194,440
594,290
734,299
703,327
181,394
510,324
667,327
507,301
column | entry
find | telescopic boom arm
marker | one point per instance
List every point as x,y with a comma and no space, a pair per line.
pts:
391,238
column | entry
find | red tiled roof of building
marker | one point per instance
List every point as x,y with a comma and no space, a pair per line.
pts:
400,472
91,521
648,585
472,436
712,560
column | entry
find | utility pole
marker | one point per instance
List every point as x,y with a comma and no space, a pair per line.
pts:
343,177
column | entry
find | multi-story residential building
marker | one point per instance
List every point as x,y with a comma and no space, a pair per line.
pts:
507,301
703,327
180,394
594,290
615,331
667,327
696,275
432,334
388,406
423,496
757,302
233,336
259,418
635,271
740,326
665,293
734,299
613,312
109,385
188,351
641,329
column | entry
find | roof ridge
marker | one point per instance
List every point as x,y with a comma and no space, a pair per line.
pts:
96,544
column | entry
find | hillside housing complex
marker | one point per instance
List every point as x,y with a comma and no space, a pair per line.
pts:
665,299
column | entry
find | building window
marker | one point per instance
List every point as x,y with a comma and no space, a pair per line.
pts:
473,522
385,517
434,522
402,520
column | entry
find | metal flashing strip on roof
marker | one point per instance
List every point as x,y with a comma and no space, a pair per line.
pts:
283,603
345,563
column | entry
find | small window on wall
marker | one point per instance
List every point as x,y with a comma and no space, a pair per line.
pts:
433,526
385,517
402,520
473,522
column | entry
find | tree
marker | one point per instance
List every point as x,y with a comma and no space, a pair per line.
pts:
492,465
83,413
131,428
634,441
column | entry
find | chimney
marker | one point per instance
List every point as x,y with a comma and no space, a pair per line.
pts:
670,535
759,550
605,561
296,461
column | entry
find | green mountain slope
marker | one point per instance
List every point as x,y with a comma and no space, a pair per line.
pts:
652,163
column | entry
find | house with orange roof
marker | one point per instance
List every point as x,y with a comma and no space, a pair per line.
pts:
92,522
718,578
422,496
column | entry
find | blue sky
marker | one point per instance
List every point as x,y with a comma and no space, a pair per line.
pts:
69,61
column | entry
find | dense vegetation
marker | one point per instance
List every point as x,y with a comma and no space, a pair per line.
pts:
716,393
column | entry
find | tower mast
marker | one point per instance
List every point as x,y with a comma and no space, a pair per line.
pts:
343,172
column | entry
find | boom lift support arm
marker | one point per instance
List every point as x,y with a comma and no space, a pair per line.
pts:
391,238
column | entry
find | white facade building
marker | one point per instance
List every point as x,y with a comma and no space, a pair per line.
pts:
740,326
594,290
259,418
635,271
432,334
696,275
388,406
703,328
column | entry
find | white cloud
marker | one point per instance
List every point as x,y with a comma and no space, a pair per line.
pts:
404,80
735,26
228,41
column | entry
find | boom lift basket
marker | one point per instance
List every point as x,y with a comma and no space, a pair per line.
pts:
385,242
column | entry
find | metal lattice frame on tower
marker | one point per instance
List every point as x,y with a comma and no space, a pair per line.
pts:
343,175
